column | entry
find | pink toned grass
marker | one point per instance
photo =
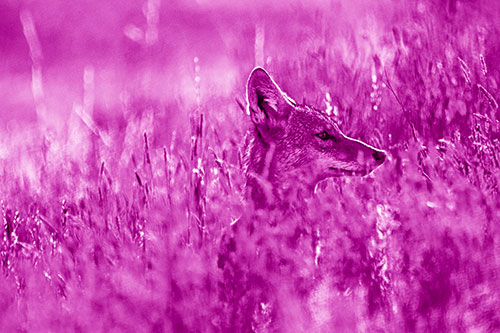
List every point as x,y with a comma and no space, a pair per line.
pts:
120,223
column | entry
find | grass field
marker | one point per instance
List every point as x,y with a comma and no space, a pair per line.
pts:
121,172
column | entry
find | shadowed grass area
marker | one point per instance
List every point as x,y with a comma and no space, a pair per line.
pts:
120,219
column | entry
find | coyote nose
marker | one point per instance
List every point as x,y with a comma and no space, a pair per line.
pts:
379,156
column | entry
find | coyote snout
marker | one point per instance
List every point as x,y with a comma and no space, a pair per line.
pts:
296,144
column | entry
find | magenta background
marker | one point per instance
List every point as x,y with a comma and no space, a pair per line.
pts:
116,197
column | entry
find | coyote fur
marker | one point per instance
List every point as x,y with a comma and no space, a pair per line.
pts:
295,146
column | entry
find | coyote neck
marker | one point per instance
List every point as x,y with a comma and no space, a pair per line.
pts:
262,177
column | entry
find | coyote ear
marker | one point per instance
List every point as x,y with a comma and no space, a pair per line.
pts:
265,99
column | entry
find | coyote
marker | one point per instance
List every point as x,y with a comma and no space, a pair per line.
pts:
295,146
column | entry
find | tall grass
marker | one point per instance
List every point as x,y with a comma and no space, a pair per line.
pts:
113,225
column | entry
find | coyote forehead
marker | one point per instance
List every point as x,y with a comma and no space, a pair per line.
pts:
297,144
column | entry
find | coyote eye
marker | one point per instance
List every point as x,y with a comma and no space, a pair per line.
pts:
323,135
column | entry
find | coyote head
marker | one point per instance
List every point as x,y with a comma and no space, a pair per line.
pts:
297,143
